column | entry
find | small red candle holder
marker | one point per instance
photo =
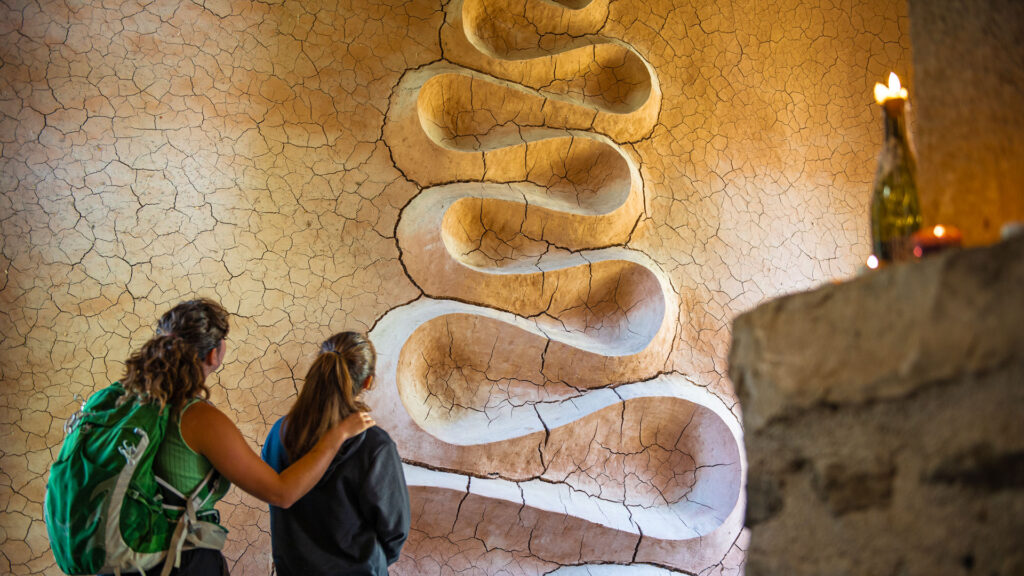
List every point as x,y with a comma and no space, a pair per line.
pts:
935,239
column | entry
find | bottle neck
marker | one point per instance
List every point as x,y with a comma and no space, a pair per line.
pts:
895,127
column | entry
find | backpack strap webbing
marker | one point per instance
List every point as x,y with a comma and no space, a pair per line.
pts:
187,523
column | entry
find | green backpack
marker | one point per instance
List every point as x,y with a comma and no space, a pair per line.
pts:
105,510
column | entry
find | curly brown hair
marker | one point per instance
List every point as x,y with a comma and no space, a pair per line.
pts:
202,323
168,368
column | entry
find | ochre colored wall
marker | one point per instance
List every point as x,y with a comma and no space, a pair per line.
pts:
545,215
969,70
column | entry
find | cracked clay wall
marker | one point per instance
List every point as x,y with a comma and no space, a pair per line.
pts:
546,215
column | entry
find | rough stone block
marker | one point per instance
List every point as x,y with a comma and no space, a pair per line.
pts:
883,421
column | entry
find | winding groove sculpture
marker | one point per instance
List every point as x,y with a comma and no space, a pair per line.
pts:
525,389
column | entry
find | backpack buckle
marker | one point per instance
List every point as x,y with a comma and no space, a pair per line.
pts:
74,421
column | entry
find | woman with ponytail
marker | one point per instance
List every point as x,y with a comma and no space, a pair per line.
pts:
356,519
171,369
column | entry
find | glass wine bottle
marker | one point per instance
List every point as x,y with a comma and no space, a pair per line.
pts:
895,210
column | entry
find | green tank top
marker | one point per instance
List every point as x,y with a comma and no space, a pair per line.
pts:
184,468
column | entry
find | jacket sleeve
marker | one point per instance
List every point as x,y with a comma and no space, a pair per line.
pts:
386,500
273,450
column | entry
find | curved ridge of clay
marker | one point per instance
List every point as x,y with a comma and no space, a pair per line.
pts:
525,387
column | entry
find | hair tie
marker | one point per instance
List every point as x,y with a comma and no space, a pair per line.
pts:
335,356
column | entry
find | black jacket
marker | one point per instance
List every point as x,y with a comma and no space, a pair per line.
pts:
353,522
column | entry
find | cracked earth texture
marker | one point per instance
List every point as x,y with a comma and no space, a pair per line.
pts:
547,215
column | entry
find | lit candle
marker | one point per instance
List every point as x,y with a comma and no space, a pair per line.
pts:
935,239
895,209
891,92
872,262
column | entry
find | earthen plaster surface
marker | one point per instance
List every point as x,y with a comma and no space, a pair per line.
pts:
546,214
969,100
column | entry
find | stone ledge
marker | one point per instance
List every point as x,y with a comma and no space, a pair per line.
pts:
882,421
882,335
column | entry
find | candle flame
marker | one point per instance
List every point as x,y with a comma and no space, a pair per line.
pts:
873,262
939,231
893,90
894,82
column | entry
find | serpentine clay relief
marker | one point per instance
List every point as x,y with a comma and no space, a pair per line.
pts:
527,387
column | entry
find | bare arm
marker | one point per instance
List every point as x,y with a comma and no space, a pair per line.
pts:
211,433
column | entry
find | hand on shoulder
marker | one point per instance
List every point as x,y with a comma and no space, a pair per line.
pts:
354,425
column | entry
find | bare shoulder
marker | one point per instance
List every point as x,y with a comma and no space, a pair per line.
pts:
202,413
203,423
